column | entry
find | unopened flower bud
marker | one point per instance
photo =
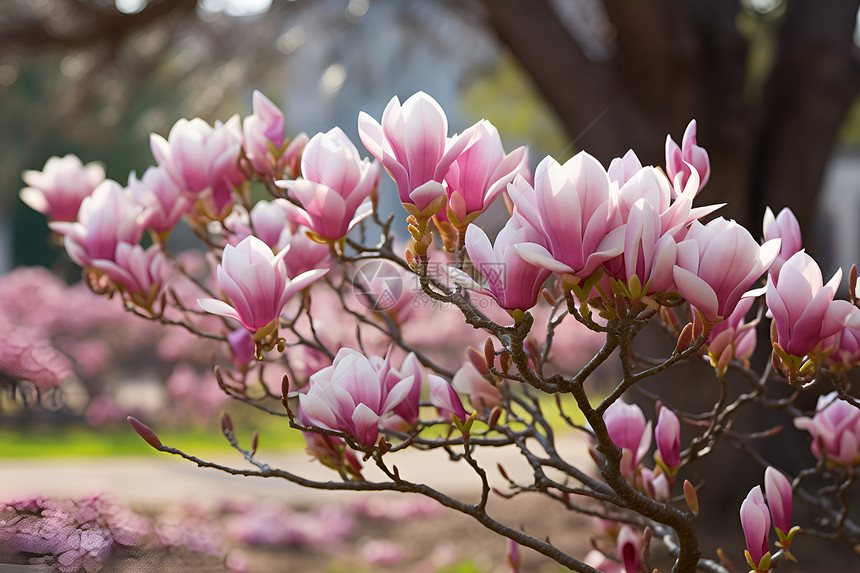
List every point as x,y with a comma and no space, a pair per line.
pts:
144,432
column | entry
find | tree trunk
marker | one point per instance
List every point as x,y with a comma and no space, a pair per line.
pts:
675,61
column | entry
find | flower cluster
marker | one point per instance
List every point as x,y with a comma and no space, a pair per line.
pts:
757,516
304,300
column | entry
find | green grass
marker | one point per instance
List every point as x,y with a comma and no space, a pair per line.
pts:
275,436
84,441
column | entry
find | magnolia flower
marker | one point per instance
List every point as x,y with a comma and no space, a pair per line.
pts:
654,484
716,265
137,271
623,169
480,173
646,265
682,161
336,185
628,430
778,491
203,160
304,254
573,207
263,133
404,416
241,347
482,393
847,351
412,145
835,430
629,548
330,451
511,281
107,217
59,188
255,281
732,338
445,398
784,226
755,521
802,306
269,221
667,434
162,199
349,397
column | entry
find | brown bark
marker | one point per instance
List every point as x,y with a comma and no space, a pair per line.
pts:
814,79
676,60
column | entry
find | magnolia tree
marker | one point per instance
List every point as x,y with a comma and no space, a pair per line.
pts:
311,284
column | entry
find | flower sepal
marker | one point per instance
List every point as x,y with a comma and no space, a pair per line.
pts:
785,540
762,566
434,207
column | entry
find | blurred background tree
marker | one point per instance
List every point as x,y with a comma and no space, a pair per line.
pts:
770,81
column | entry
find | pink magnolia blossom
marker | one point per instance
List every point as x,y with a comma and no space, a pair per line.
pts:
646,265
623,169
412,144
601,562
255,281
162,199
263,133
269,221
653,223
778,491
330,451
139,272
835,430
803,308
59,188
241,347
655,485
667,434
784,226
404,416
573,207
755,521
292,157
511,281
672,201
682,161
732,338
107,217
203,160
349,397
716,265
629,548
847,351
336,185
445,398
305,254
480,173
628,430
483,395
